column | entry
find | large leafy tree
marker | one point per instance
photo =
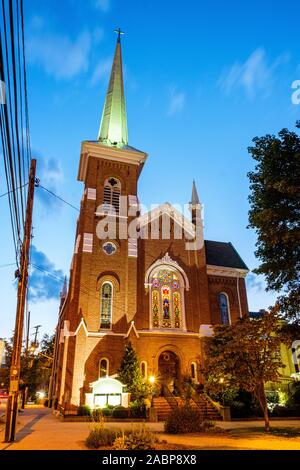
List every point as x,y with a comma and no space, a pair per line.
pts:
130,375
35,367
275,215
245,356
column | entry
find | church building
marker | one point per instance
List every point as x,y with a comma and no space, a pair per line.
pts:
151,279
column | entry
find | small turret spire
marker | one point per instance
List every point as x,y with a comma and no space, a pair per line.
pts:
64,291
195,198
113,127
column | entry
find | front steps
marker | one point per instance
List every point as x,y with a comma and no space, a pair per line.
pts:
163,408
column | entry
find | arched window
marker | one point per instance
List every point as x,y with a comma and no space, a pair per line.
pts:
144,370
103,367
224,309
111,194
194,371
106,305
166,299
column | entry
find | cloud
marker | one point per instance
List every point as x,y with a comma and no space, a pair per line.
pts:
58,55
253,76
176,101
50,174
255,282
103,5
101,71
45,281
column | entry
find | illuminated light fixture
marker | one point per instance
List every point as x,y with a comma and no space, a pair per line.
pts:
152,379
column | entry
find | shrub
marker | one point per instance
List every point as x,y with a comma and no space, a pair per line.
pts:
84,410
120,412
106,411
184,420
46,403
120,443
137,438
138,409
97,415
100,436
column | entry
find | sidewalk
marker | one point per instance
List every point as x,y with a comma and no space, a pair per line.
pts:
38,429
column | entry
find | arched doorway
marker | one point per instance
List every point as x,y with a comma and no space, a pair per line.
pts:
169,370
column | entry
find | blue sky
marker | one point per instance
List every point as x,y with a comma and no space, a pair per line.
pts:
201,80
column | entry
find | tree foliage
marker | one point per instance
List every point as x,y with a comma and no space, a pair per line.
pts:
35,367
130,375
244,356
275,215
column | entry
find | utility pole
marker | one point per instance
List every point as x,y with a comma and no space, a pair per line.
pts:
36,328
22,274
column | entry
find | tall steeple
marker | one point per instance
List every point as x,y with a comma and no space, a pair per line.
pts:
113,127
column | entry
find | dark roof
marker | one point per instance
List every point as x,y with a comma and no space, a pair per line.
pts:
223,254
256,315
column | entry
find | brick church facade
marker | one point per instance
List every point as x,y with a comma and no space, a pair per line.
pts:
161,291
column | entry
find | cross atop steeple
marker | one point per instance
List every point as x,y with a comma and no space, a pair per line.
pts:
119,33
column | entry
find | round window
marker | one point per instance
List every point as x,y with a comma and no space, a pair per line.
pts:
109,248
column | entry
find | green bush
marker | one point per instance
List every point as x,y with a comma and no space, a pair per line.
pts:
137,438
184,420
100,437
106,411
138,409
84,410
120,412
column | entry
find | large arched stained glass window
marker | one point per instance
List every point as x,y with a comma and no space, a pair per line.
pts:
106,305
166,307
224,309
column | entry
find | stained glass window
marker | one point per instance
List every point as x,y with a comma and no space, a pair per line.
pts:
166,300
155,308
165,276
176,309
224,309
106,305
166,307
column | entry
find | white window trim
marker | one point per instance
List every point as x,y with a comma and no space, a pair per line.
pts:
107,367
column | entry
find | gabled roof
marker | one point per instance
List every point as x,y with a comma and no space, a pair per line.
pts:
172,212
223,254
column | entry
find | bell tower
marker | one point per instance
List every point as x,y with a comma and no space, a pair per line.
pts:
102,297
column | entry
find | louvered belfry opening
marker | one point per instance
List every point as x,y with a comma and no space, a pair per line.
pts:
111,195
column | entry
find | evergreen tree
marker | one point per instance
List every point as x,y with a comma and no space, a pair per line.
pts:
275,215
130,375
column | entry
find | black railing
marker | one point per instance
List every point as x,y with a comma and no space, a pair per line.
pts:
169,397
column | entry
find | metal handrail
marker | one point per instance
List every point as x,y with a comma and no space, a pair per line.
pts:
169,396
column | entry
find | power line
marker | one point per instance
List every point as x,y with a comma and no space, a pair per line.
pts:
58,197
9,192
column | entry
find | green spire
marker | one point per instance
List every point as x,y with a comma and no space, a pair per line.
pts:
113,127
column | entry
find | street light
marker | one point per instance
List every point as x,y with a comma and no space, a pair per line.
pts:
221,381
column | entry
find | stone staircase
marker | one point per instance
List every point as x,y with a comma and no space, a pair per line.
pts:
163,408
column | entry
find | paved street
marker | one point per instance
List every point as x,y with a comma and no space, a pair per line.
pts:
39,429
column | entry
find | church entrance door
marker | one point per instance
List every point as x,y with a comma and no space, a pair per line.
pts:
169,370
